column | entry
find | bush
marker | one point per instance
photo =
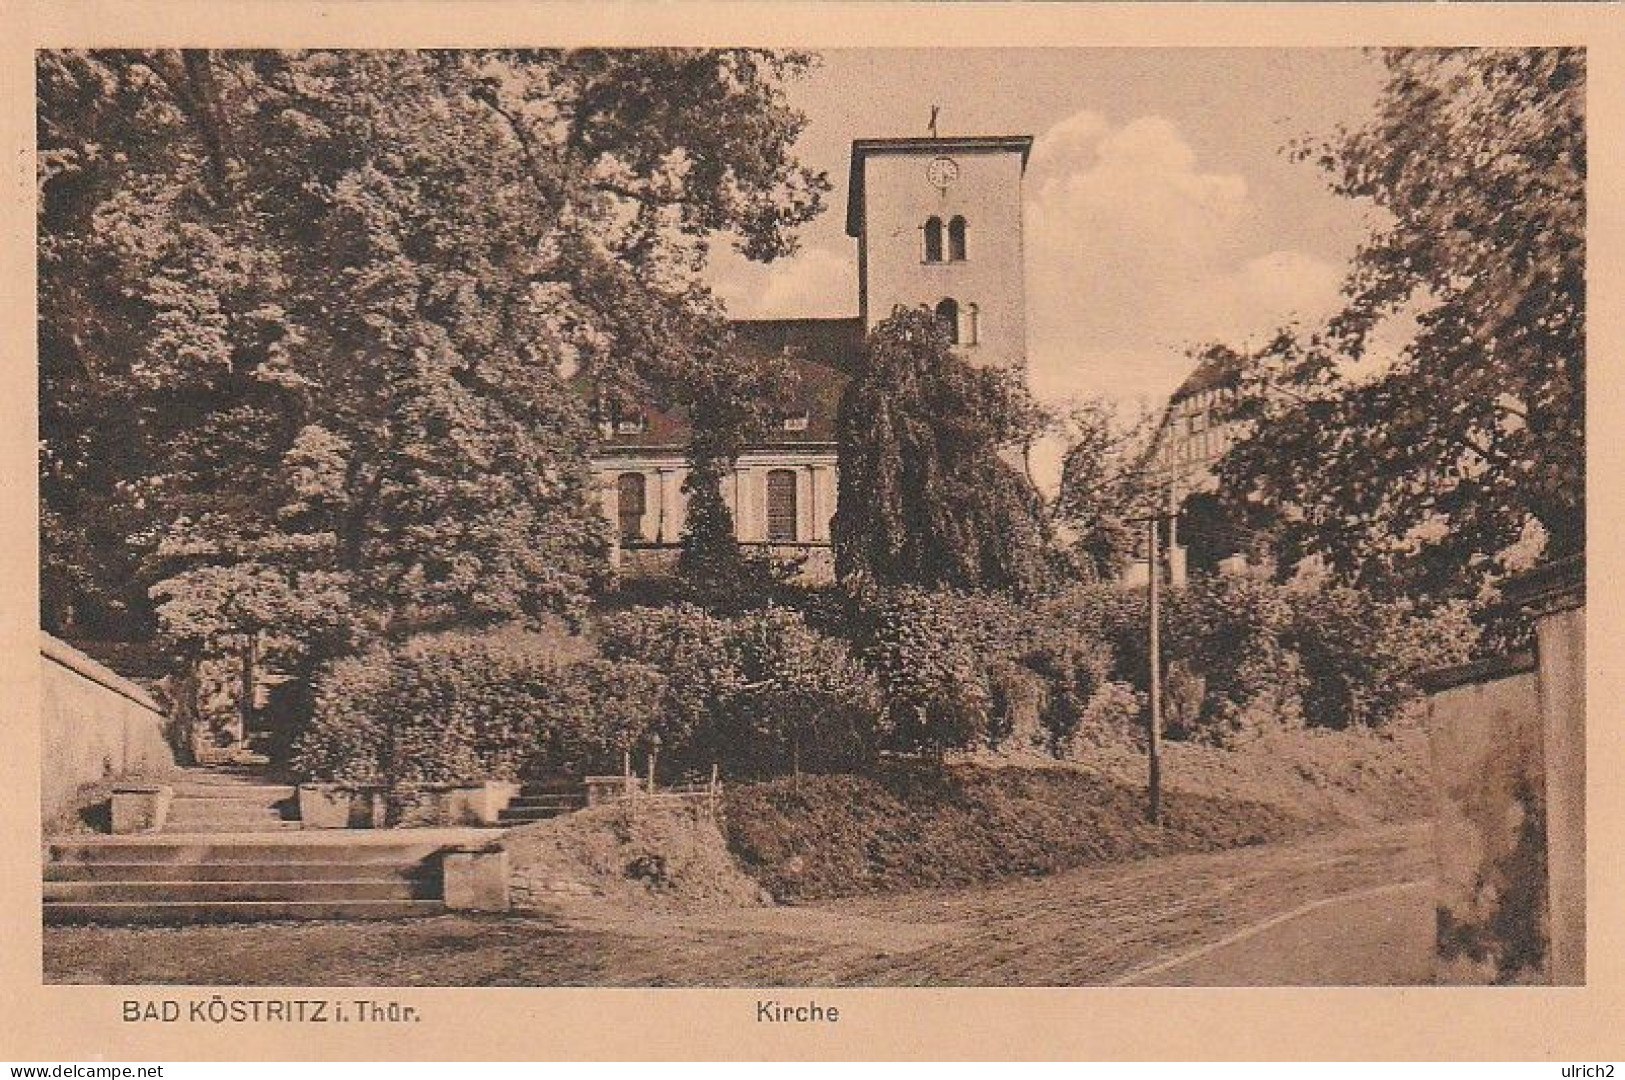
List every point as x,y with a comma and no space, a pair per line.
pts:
438,709
1020,700
1226,668
589,714
760,693
933,652
1114,716
908,826
1074,665
456,708
1361,657
805,694
963,670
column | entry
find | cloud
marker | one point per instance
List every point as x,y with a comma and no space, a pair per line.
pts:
1136,253
815,282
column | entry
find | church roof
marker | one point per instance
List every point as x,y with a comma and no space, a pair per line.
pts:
822,352
946,144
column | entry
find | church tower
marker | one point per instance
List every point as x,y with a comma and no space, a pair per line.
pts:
938,224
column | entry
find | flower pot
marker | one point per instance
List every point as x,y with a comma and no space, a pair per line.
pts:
331,806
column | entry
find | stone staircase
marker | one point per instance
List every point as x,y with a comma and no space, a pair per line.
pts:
231,848
538,802
231,799
214,878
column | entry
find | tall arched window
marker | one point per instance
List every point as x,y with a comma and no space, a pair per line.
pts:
948,316
933,239
972,328
781,505
630,503
956,239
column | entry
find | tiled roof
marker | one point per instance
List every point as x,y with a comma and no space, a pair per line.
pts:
821,351
1215,371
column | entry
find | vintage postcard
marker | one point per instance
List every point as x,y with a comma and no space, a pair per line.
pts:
811,531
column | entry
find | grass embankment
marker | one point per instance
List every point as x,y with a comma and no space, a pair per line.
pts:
919,826
662,858
1333,778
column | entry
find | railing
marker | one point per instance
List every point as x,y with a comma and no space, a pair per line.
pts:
631,792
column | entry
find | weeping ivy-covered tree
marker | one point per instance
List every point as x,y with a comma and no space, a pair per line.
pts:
309,320
931,490
1419,473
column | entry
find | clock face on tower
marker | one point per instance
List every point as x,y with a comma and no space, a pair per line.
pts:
941,172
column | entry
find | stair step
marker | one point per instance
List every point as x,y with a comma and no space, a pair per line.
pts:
410,873
229,828
267,792
234,911
159,849
166,892
247,815
525,817
232,830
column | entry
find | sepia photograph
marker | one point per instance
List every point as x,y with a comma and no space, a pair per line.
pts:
733,516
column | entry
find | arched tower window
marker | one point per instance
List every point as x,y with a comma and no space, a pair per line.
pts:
973,328
956,239
948,315
630,503
781,505
933,239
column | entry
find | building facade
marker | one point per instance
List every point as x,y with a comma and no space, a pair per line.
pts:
1185,452
938,224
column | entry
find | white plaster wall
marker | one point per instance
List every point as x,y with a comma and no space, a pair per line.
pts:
745,492
94,726
899,199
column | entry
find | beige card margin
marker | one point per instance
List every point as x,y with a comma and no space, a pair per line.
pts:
61,1023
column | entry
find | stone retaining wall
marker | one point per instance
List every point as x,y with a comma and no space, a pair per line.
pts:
95,726
1508,744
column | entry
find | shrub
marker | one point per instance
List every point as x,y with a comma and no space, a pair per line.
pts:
440,708
932,652
806,694
1114,716
589,714
1361,656
1074,664
1226,668
761,693
1019,702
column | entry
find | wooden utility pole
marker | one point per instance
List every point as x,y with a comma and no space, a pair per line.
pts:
1154,739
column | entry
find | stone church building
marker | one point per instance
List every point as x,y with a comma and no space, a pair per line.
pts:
938,223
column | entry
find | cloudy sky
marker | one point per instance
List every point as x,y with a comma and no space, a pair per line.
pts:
1160,211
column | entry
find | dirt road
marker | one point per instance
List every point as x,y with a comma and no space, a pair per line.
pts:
1342,908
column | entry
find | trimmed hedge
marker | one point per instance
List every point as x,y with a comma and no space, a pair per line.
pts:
760,694
454,708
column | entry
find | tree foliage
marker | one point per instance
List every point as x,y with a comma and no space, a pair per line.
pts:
1104,487
1417,473
309,320
929,494
761,693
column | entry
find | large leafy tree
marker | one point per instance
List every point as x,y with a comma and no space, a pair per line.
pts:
931,491
1105,490
308,320
1419,472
